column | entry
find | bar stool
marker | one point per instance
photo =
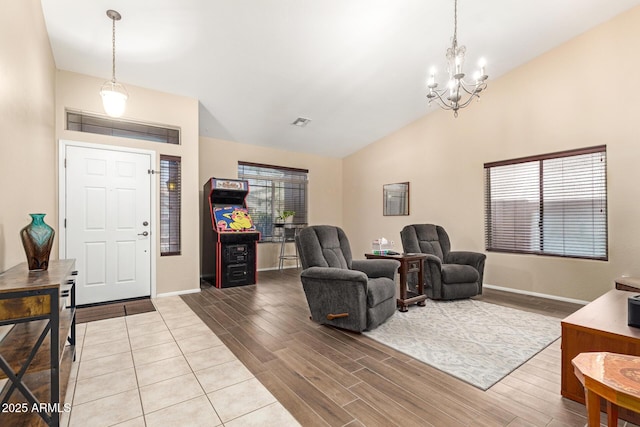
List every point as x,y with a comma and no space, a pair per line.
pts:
289,233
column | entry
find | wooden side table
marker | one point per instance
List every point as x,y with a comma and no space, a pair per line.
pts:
613,377
409,263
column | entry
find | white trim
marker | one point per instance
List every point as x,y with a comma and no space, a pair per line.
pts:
62,188
276,268
176,293
536,294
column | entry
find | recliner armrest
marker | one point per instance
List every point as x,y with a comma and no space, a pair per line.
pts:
433,260
335,274
474,259
466,258
375,268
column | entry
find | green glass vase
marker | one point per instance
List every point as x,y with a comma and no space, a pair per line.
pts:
37,239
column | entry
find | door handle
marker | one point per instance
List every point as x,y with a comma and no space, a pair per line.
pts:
144,233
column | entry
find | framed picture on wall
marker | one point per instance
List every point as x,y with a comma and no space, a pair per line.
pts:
395,199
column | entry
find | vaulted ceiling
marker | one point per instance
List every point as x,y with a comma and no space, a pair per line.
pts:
356,68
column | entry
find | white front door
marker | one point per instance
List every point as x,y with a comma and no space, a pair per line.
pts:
108,222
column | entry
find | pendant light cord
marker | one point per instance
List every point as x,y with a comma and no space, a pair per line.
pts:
113,50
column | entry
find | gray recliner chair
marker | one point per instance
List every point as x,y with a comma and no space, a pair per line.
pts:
448,275
355,295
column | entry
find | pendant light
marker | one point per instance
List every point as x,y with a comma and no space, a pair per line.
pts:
114,95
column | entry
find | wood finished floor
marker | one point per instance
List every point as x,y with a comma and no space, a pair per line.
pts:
329,377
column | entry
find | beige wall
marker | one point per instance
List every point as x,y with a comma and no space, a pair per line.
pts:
578,95
27,144
219,158
574,96
80,92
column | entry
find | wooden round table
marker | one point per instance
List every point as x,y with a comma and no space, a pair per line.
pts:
613,377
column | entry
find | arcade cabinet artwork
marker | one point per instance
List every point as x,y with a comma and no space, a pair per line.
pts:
229,238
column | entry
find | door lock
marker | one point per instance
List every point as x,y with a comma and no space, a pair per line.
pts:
145,223
144,233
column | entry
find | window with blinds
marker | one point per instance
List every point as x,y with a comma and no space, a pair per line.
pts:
170,197
553,204
273,190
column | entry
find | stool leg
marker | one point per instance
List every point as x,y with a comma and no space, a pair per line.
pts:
282,247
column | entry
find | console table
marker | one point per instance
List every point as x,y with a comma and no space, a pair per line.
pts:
599,326
409,263
40,307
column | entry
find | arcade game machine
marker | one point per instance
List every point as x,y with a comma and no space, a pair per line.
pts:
229,237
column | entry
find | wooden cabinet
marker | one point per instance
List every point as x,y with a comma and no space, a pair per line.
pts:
37,352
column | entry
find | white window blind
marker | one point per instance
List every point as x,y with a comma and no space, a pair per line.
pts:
553,204
273,190
170,199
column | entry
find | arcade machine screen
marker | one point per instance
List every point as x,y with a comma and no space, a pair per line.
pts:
233,218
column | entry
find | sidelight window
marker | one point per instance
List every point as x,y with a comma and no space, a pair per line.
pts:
170,199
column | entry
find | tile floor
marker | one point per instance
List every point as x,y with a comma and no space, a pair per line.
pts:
164,368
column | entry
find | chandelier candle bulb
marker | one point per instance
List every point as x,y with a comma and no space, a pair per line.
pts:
431,83
482,64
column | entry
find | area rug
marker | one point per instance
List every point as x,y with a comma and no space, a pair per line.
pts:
115,309
475,341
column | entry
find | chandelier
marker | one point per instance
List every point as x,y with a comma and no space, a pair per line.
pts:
114,95
458,93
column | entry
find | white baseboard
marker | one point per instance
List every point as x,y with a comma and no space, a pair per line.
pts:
176,293
535,294
276,268
268,269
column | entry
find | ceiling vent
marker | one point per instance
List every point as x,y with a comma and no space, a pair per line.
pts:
301,122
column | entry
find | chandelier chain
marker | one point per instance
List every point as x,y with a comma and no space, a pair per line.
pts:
455,23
